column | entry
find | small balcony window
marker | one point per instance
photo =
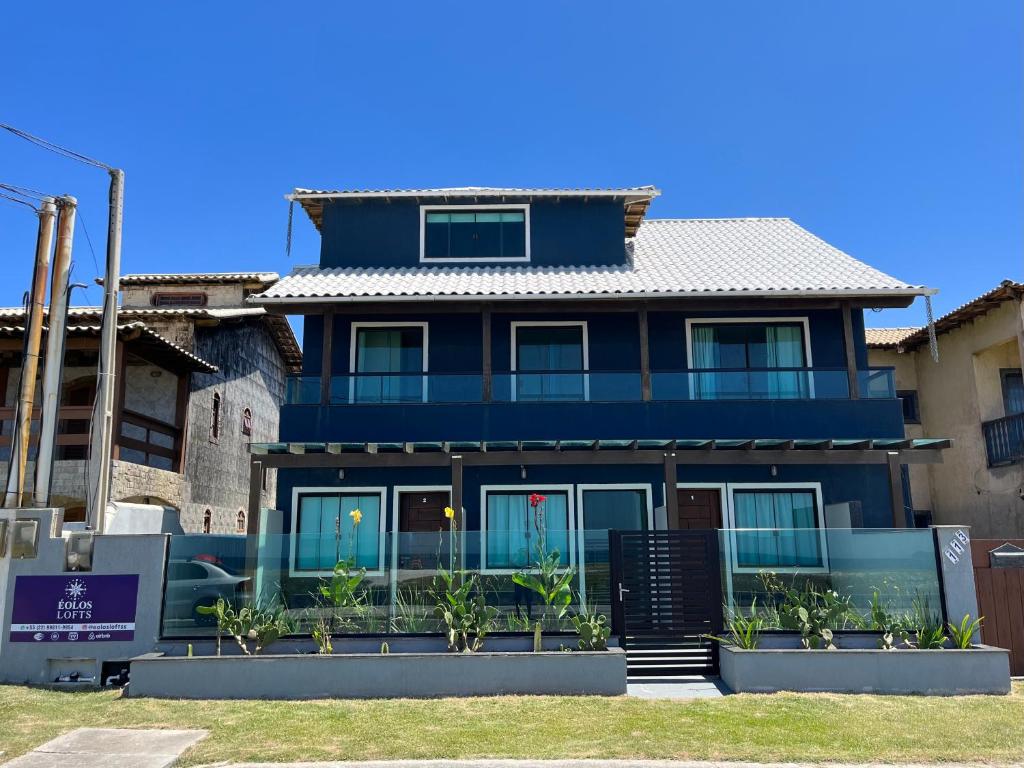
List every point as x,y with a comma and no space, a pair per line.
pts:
550,361
911,408
461,233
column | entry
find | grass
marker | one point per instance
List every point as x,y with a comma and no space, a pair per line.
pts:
781,727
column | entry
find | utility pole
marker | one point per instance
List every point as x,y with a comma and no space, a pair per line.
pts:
103,426
30,360
60,297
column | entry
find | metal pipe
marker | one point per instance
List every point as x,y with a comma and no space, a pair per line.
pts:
60,297
103,424
30,362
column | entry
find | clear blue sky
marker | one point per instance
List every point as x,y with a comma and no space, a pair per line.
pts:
893,130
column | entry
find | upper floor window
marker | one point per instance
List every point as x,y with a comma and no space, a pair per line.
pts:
215,418
481,233
247,422
911,409
1013,390
240,521
193,299
388,361
757,358
207,521
550,360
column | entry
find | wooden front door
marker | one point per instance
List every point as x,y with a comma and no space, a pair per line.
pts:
700,508
423,512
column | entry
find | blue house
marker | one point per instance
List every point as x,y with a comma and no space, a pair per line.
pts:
469,347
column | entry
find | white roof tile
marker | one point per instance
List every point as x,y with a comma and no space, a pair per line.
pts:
669,257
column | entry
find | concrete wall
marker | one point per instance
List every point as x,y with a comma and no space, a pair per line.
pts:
945,672
395,675
31,662
956,395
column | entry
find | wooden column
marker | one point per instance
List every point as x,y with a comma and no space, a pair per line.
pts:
460,517
899,518
181,420
121,368
671,495
851,356
252,522
326,357
485,347
645,357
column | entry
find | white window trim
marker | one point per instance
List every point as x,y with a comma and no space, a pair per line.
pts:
516,324
380,491
802,320
396,509
425,209
353,352
730,523
570,513
580,523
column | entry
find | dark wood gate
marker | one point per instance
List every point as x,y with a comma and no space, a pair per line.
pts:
666,596
1000,601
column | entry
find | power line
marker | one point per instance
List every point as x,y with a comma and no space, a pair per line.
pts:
26,191
18,200
55,148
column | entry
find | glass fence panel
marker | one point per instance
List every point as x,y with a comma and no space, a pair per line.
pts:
747,384
594,386
302,390
877,383
397,593
879,574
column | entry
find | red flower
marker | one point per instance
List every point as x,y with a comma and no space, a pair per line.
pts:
536,500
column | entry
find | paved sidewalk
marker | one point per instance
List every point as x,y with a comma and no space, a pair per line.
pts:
110,748
688,687
593,764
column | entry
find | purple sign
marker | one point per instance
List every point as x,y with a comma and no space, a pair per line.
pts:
74,608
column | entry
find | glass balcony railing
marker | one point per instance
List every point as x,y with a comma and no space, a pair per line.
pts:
877,572
593,386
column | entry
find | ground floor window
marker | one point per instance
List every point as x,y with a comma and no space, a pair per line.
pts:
777,528
325,527
512,526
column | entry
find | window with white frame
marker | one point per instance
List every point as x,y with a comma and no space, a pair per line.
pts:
326,530
777,527
475,233
514,527
388,362
550,361
753,359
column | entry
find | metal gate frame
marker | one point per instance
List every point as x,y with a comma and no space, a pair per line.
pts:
669,537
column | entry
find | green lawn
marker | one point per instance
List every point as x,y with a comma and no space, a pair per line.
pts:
782,727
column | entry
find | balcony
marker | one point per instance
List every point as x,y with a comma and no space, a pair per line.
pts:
1004,440
142,439
592,386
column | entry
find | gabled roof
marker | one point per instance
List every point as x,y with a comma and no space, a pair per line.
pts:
284,337
886,338
636,200
1007,290
193,278
142,339
668,257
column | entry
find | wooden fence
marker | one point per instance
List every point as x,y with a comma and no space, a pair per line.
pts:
1000,601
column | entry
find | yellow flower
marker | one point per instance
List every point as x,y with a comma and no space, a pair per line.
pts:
356,516
449,512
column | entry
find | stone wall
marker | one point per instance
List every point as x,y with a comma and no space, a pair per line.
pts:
251,376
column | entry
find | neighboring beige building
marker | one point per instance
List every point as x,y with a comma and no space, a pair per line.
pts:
201,376
974,394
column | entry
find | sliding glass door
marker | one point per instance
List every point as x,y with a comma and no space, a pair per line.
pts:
755,361
389,363
549,361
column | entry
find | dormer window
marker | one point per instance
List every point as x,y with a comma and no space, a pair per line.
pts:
483,233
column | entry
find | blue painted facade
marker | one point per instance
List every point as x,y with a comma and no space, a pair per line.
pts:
380,233
386,233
